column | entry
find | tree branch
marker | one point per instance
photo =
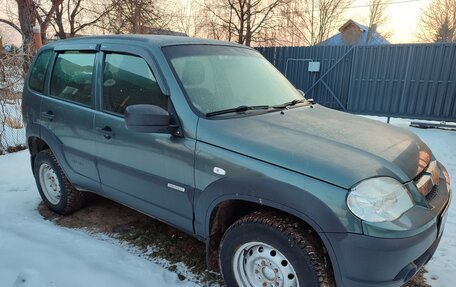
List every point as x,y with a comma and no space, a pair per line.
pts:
12,25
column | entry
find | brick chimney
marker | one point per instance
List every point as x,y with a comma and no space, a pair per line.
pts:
370,33
37,37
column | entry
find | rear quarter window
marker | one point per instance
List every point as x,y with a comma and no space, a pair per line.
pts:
38,72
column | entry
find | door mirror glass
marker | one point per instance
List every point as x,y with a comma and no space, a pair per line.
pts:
147,119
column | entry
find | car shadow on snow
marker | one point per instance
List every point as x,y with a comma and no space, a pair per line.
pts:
101,215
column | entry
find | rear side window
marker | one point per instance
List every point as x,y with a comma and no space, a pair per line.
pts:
72,77
128,80
38,73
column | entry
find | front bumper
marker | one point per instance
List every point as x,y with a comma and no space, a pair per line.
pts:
366,260
370,261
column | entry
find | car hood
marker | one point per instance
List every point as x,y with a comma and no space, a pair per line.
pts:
329,145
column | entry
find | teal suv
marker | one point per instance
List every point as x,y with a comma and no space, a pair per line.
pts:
210,138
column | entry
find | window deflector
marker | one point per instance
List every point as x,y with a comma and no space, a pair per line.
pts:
135,50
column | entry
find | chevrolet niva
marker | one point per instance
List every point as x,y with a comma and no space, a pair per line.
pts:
210,138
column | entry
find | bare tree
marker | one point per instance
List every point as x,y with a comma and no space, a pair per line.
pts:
29,13
446,32
44,12
133,16
218,20
187,18
72,16
377,19
309,22
244,19
438,22
323,18
27,19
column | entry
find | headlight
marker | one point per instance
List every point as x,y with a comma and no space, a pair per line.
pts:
379,199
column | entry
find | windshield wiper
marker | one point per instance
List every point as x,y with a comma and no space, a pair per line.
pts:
289,104
244,108
239,109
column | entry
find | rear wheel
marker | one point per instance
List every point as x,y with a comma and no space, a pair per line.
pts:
270,250
56,191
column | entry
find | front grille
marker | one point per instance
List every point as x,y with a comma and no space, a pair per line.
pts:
431,195
428,181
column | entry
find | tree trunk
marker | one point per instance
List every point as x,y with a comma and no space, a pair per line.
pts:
27,19
59,22
248,28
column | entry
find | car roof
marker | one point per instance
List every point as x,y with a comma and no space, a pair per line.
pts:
154,40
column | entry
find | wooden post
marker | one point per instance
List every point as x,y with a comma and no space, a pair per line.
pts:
37,37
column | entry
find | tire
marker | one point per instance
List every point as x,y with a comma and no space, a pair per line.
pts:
56,191
270,249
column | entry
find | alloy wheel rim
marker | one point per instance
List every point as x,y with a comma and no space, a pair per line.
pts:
257,264
49,183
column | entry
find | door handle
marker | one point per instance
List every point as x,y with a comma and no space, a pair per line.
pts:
49,115
105,131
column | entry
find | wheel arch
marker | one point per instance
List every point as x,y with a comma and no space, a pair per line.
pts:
35,145
42,140
227,206
46,139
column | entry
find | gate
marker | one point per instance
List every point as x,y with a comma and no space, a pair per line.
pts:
410,81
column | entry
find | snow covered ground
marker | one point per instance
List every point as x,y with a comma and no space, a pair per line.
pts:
36,253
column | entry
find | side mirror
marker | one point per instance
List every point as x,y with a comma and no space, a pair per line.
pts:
147,119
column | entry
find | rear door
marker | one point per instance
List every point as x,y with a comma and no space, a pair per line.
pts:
150,172
67,112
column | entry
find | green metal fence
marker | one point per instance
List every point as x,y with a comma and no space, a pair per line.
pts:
410,81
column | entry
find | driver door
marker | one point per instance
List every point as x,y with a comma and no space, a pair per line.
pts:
149,172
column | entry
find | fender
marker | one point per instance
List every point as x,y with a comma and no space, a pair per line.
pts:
272,193
56,147
32,130
267,192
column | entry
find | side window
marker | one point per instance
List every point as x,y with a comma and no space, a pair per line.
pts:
38,73
128,80
72,77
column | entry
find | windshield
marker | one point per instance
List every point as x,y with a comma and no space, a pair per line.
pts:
221,77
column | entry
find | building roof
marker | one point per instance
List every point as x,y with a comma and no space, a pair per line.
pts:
336,40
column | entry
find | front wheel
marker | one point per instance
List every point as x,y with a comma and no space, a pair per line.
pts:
272,250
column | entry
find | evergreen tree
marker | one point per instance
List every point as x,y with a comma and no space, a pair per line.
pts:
445,32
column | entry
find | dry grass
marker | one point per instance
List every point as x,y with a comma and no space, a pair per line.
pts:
418,280
104,216
9,96
13,123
